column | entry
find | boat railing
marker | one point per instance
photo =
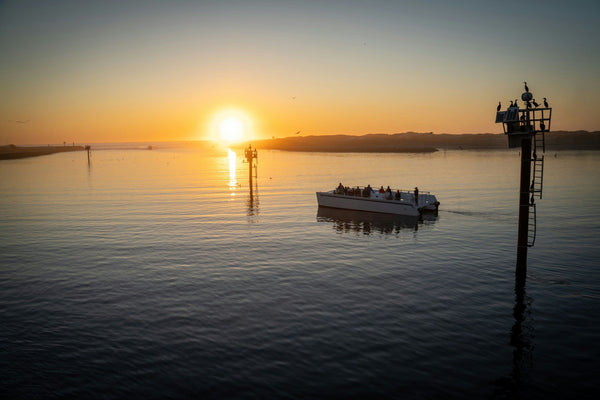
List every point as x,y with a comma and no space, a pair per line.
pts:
402,191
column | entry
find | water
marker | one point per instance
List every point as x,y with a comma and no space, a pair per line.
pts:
154,274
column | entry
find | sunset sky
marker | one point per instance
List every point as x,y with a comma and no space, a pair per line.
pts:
121,71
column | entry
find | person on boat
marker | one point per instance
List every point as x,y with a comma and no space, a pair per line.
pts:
381,190
367,192
358,191
340,188
416,196
398,197
388,193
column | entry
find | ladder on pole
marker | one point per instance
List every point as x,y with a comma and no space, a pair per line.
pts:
537,181
531,229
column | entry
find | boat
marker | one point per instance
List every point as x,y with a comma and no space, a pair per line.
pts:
398,202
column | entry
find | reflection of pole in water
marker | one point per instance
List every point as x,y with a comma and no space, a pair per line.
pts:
253,204
521,335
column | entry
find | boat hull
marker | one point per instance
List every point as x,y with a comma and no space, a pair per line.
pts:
371,204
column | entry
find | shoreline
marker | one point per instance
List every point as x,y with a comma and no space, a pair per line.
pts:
412,142
409,142
12,152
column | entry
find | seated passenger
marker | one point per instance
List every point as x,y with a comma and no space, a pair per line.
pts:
381,190
398,197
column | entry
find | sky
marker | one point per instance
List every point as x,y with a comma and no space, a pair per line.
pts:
125,71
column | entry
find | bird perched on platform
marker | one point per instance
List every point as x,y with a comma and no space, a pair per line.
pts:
536,105
498,108
511,104
545,103
516,103
526,87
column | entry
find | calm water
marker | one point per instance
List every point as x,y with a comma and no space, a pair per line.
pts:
153,274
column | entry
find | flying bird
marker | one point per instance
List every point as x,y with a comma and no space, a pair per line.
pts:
526,87
498,108
297,133
535,104
545,103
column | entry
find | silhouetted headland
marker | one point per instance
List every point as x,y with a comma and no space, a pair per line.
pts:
11,151
413,142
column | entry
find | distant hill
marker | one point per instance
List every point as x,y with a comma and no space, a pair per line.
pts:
412,142
578,140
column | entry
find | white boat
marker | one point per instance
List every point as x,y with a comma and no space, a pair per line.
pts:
390,202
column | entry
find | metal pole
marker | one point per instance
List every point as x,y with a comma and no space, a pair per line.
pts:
521,270
88,148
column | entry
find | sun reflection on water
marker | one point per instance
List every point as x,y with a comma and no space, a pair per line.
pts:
232,167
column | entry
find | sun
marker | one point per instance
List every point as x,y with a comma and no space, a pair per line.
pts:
231,129
231,125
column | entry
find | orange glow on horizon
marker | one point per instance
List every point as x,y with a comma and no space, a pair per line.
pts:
176,73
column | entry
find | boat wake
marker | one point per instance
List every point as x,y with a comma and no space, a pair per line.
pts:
479,214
